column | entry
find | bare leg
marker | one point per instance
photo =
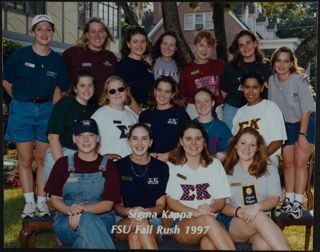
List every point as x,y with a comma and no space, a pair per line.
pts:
206,244
301,169
288,168
25,158
258,243
133,241
40,152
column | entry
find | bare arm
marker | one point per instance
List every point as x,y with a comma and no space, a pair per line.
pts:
135,106
99,207
218,205
55,146
7,86
224,94
273,146
159,207
176,206
57,94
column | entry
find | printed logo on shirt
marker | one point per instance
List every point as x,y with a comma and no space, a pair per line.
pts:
240,88
191,192
29,64
52,74
172,121
107,63
249,194
215,144
86,64
210,82
124,130
153,181
253,123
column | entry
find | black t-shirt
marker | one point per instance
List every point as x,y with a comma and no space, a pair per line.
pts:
231,77
145,190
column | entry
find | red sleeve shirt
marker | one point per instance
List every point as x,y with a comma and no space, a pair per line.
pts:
194,76
60,174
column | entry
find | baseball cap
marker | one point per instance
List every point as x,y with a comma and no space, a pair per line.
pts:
39,18
85,125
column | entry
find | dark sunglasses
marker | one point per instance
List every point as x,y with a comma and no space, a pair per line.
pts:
120,90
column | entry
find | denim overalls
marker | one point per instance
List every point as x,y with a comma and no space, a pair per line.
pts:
94,230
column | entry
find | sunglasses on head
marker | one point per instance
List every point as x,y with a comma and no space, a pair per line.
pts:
113,91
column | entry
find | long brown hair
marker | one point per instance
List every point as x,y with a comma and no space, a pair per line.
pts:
83,42
234,48
295,68
259,165
178,157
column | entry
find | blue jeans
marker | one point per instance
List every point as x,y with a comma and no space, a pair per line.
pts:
28,121
228,114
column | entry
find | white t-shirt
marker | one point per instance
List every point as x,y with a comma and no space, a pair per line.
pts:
266,117
113,127
194,187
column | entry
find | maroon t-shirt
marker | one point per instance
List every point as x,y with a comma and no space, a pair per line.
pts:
194,76
60,174
101,64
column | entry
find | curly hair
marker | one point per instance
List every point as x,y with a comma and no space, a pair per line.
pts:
129,33
295,68
104,99
83,42
234,48
177,101
178,157
177,56
204,34
258,167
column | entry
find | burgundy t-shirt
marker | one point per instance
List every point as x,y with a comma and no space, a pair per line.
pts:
60,174
102,64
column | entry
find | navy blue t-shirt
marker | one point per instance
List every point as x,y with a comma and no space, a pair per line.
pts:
139,77
165,125
35,76
142,191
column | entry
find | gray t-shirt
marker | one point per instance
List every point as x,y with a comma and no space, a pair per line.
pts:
247,189
293,96
166,68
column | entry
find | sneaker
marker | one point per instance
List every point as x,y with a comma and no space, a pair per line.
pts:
42,209
296,211
286,206
29,210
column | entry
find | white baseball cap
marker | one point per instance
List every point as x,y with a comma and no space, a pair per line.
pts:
39,18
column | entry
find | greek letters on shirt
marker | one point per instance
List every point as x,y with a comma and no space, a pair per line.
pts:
124,130
191,192
209,82
253,123
173,121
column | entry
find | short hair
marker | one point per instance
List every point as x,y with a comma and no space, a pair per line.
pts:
252,75
204,34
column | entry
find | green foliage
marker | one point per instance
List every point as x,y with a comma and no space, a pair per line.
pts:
276,9
8,47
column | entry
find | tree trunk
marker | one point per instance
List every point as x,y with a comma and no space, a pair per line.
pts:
129,15
220,31
307,49
171,23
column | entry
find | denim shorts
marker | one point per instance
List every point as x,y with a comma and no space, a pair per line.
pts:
28,121
224,220
293,130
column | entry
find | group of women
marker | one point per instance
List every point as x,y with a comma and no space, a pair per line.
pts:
150,132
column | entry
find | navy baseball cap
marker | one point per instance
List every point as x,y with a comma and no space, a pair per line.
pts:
85,125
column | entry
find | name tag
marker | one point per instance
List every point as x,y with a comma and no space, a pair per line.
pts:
235,184
116,122
29,64
72,180
181,176
126,178
194,72
86,64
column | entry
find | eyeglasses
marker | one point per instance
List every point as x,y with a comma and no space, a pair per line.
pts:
120,90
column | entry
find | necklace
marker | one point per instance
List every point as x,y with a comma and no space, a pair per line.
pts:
145,171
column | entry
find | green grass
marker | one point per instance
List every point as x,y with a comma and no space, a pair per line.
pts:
13,206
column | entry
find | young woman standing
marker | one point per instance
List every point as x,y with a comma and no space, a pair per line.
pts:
165,116
34,76
78,104
83,189
143,184
198,188
289,89
114,119
255,189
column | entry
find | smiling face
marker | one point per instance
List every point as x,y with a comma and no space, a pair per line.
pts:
116,94
137,46
86,142
163,94
192,142
140,142
203,50
247,147
43,33
203,103
84,90
252,91
168,47
247,48
283,64
96,36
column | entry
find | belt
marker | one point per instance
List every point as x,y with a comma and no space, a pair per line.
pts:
37,100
